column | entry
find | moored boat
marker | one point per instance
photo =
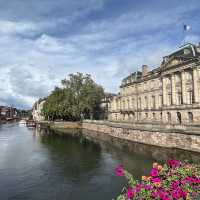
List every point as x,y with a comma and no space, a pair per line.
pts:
30,123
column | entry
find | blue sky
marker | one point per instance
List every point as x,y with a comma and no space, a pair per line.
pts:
41,42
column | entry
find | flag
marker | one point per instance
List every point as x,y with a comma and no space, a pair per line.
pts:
186,27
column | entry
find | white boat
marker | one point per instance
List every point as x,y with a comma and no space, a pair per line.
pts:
22,122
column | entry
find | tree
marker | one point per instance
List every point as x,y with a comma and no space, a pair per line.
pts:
79,97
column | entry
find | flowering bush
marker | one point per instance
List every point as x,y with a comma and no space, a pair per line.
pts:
173,181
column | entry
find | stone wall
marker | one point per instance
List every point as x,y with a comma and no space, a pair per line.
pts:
182,139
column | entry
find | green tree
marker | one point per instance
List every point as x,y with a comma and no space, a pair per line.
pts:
79,97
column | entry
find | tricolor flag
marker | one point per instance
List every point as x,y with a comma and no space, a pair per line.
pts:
186,27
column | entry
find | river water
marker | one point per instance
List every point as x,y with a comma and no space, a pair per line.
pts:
41,165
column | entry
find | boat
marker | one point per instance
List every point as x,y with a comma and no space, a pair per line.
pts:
22,122
30,123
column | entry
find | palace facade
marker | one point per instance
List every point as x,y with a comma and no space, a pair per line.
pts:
169,94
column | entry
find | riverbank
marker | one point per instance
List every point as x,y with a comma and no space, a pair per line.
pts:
163,136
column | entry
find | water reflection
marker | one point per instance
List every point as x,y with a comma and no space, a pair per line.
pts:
42,164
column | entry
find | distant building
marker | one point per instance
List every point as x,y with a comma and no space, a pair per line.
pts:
169,94
105,104
37,110
8,112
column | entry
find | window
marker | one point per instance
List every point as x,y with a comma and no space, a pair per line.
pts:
140,103
140,116
154,116
124,105
190,117
133,115
169,117
191,96
146,102
169,98
161,116
178,117
133,102
128,106
153,102
146,115
161,100
179,98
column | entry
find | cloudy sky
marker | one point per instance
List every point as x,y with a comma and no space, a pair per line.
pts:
42,41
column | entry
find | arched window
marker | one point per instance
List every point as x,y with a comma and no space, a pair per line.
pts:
190,117
178,117
169,117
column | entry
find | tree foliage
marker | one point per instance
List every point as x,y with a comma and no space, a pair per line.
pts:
78,97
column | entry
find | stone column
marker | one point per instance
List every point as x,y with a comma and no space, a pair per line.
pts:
183,87
195,85
164,91
173,86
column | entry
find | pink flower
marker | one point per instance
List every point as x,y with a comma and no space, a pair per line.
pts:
154,172
155,180
174,163
130,193
119,170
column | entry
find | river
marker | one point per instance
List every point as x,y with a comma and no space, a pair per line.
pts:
41,165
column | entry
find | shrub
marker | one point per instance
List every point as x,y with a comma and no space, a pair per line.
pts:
174,180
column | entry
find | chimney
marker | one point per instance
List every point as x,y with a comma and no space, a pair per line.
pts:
144,70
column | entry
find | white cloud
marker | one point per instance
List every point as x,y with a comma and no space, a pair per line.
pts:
11,27
34,57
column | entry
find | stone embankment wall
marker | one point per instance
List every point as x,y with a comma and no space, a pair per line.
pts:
172,137
60,125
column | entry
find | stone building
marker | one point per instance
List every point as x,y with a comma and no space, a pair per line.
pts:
106,103
37,110
169,94
8,112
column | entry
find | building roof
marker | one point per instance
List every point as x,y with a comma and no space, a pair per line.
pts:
187,52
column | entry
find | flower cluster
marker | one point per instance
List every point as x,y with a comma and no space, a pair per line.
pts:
173,181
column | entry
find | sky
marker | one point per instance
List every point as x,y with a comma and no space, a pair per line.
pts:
42,41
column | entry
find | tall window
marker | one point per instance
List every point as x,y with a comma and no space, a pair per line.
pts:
146,115
146,102
191,96
133,103
161,116
169,98
128,105
169,117
153,101
140,102
124,105
190,117
161,100
140,116
179,95
154,116
178,117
